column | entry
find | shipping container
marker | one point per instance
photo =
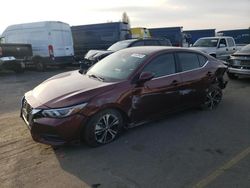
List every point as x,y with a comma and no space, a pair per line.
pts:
98,36
174,34
192,36
241,36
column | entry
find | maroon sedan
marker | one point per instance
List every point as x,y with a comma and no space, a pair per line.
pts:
125,89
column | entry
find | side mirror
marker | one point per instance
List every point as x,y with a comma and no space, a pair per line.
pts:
145,76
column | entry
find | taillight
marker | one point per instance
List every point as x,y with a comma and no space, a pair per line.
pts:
1,51
51,51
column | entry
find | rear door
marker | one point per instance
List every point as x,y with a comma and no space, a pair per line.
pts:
195,77
231,46
159,95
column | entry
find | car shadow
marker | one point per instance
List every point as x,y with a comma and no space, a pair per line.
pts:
136,156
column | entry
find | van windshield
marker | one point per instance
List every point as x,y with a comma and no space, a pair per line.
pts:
206,43
117,66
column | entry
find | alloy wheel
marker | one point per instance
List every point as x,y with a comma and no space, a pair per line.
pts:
213,98
106,128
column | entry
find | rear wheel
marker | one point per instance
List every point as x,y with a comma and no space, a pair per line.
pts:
232,76
40,66
103,128
213,97
19,68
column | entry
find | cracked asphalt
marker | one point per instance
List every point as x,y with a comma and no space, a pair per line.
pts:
191,148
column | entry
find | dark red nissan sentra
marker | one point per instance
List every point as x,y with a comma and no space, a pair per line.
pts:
125,89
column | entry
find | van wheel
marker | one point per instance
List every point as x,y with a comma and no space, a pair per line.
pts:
232,76
40,66
103,128
213,97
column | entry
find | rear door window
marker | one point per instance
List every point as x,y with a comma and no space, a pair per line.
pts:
202,60
165,43
138,43
151,43
188,61
162,65
230,42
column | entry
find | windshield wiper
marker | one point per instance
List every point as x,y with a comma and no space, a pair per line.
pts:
97,77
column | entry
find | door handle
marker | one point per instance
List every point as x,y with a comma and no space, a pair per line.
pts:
174,83
226,49
233,48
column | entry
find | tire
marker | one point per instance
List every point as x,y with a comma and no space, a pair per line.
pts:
232,76
104,127
40,66
213,98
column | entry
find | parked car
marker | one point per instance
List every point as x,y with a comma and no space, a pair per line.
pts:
15,56
239,63
94,56
218,47
51,41
125,89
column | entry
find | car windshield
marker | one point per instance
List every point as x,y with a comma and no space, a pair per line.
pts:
206,43
117,66
120,45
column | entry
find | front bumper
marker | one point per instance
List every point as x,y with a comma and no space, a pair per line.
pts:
241,71
11,63
52,131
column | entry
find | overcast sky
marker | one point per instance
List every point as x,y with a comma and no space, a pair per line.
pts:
191,14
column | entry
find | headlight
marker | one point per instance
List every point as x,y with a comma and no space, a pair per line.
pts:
63,112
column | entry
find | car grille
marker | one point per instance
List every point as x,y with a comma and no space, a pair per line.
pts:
239,63
244,63
26,111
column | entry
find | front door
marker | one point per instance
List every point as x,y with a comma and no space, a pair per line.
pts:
159,95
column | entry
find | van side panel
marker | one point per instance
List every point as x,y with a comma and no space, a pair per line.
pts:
97,36
41,35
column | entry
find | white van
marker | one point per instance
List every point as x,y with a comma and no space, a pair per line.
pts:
51,41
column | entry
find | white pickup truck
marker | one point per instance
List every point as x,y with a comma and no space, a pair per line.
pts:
218,47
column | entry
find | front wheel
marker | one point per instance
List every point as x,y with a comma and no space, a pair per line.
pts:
103,128
213,97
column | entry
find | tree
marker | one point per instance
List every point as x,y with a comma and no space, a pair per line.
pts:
125,18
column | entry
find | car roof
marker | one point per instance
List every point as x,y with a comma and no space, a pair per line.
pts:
149,50
139,39
218,37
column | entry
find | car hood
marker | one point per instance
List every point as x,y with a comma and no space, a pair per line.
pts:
207,50
68,89
95,54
